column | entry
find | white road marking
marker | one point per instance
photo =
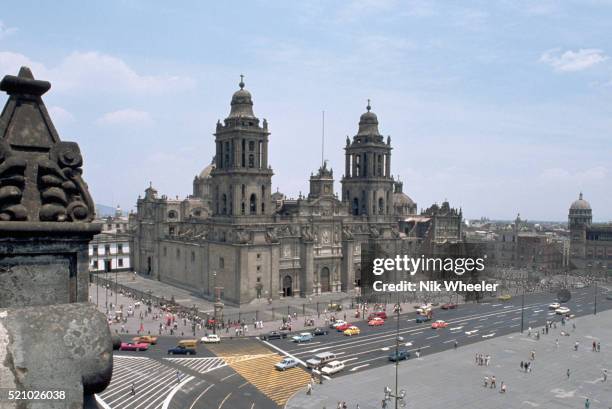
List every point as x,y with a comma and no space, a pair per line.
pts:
489,335
432,337
359,367
456,328
471,332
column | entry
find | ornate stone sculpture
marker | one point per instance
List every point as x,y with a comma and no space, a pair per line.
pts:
346,233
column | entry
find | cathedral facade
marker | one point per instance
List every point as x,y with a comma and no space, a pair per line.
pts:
235,234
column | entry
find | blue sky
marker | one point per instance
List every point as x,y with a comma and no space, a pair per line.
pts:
499,107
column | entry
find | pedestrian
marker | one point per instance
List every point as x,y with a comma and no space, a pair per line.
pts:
605,375
522,365
486,381
456,344
573,326
598,346
568,373
178,376
576,346
594,346
502,389
309,389
133,389
587,403
557,343
493,384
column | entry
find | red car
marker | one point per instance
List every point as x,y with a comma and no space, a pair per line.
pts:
376,321
380,314
343,327
439,324
128,346
449,306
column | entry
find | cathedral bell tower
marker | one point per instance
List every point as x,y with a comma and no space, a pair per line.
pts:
242,178
367,185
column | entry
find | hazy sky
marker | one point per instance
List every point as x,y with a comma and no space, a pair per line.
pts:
500,107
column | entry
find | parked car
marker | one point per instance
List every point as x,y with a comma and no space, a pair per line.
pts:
376,321
352,330
439,324
302,337
131,346
286,364
319,331
332,368
275,335
145,338
449,306
211,339
181,350
399,355
422,318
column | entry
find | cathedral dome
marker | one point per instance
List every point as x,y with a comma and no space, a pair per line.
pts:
205,173
242,103
580,204
368,122
402,199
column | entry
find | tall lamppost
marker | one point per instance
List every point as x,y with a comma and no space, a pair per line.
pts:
399,396
595,304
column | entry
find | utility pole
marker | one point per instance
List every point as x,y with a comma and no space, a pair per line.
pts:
523,309
595,305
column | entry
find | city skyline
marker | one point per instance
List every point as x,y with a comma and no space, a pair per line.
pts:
144,97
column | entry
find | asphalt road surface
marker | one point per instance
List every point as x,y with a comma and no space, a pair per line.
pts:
467,324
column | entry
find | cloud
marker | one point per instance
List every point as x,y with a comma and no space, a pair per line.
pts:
6,31
127,116
94,71
570,61
60,116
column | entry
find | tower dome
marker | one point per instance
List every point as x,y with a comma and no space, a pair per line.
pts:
580,204
242,103
368,122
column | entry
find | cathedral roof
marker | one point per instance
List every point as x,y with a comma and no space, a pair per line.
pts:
242,103
402,199
580,204
205,173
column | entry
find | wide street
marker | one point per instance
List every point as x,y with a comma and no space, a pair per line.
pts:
239,373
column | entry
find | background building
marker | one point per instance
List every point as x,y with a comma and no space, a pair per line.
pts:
109,251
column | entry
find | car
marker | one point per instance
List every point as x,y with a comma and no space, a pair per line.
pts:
343,327
286,364
319,331
609,296
211,339
145,338
302,337
336,323
352,330
562,310
334,307
439,324
449,306
554,306
504,297
332,368
399,355
131,346
424,309
379,314
580,285
422,318
181,350
275,335
374,322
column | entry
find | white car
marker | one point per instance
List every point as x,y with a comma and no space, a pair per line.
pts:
332,368
554,306
338,323
562,310
211,339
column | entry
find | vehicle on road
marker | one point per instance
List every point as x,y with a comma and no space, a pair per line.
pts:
181,350
188,343
320,359
554,306
302,337
379,314
343,327
352,330
274,335
286,364
130,346
449,306
337,323
211,339
609,296
334,307
424,309
332,368
145,338
504,297
319,331
562,310
399,355
376,321
422,318
439,324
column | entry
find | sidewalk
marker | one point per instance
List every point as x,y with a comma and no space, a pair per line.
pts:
452,380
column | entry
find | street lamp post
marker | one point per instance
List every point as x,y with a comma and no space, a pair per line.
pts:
522,309
595,304
399,396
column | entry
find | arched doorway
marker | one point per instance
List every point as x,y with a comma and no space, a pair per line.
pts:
288,286
148,265
325,284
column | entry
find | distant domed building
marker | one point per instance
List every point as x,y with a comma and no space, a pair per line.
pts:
590,244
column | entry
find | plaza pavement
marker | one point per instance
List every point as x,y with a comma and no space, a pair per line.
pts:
452,380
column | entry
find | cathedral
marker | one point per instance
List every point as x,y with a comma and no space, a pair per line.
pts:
235,234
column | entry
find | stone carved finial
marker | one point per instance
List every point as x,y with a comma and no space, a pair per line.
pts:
40,176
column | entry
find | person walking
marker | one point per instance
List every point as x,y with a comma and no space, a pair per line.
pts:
598,346
309,389
594,346
568,373
605,375
493,382
502,388
576,344
557,343
522,365
587,403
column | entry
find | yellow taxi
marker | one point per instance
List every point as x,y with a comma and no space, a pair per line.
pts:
148,339
352,330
